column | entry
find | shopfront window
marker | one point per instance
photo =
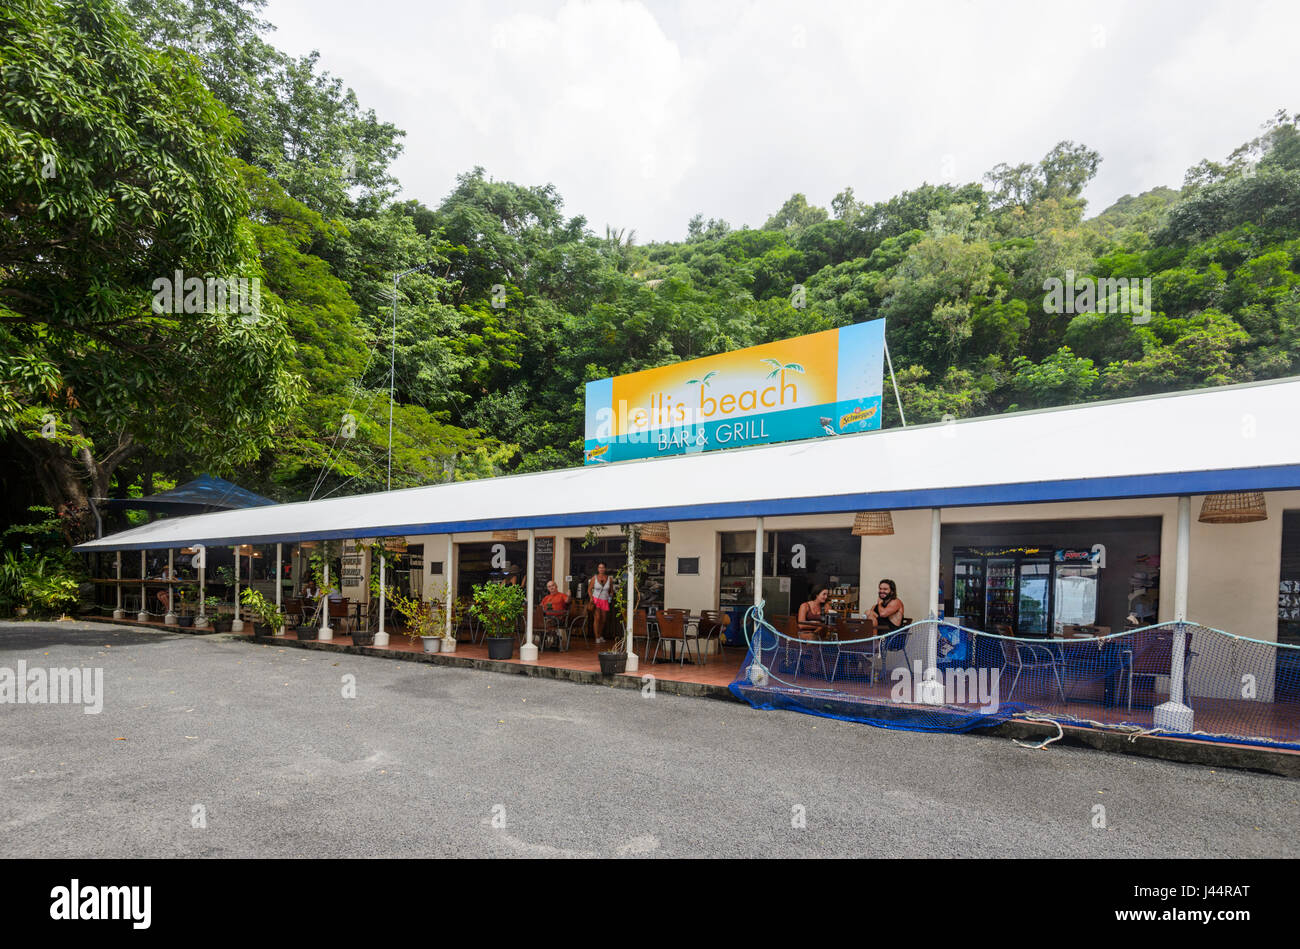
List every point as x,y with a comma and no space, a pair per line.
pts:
795,562
613,552
488,561
1288,593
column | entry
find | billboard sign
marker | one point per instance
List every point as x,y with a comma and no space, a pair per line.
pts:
823,384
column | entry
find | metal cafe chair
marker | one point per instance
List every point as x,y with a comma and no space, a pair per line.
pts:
1031,657
858,653
672,629
713,625
338,610
1152,655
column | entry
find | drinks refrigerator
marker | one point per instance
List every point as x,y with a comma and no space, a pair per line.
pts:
1005,586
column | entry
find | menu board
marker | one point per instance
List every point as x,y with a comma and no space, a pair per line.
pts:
543,562
351,568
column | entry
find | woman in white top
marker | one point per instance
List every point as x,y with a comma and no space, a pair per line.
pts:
601,589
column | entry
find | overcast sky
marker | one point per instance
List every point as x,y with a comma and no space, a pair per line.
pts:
645,112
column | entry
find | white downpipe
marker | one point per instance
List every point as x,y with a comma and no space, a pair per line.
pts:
237,624
448,600
1175,714
528,651
143,615
381,637
170,618
325,632
119,613
633,660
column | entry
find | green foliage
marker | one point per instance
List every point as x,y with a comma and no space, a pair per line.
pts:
499,606
181,138
38,581
260,605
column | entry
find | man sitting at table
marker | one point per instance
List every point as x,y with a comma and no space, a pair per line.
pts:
554,603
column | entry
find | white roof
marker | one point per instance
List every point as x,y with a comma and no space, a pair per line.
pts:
1226,439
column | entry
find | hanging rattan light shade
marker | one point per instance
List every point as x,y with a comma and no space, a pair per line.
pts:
656,531
872,523
1236,507
505,535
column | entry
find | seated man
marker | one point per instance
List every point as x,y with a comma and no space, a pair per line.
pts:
554,603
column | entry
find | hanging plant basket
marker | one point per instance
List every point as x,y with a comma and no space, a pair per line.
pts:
1237,507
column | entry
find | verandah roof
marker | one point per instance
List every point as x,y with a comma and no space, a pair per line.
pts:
1232,438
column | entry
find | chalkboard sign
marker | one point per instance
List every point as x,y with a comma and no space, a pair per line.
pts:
351,568
543,563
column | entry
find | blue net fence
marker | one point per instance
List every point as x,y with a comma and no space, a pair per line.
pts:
938,676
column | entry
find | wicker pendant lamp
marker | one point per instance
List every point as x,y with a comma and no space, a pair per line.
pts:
656,531
873,523
1236,507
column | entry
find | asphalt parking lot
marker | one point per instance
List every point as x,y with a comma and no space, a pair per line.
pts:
211,747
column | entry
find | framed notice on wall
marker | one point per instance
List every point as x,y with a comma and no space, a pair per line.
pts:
351,568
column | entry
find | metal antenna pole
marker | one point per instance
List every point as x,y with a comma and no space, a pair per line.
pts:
393,363
897,398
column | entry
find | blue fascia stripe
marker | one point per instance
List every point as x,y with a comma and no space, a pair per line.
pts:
1272,478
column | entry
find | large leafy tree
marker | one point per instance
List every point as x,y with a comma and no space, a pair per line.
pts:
117,174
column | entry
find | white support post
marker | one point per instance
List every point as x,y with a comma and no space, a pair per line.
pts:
1175,714
931,688
633,661
279,569
759,544
325,632
448,597
119,613
202,620
170,618
528,651
237,624
381,637
143,615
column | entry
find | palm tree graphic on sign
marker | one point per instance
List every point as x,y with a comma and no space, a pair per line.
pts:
702,383
781,368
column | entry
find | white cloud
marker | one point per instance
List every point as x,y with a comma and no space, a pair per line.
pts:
643,114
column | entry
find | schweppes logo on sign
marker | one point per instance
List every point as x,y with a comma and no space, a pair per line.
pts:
823,384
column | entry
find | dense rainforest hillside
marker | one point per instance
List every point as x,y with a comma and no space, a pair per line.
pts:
139,138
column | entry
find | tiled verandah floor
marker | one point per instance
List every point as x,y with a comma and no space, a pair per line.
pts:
850,681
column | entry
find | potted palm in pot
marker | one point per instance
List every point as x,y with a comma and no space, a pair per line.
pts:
269,618
499,606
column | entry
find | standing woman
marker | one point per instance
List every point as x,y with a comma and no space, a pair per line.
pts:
601,589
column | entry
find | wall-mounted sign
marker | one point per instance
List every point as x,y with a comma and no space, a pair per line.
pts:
823,384
351,564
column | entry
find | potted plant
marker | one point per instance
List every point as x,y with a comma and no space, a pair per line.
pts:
499,606
219,622
427,621
271,619
185,603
